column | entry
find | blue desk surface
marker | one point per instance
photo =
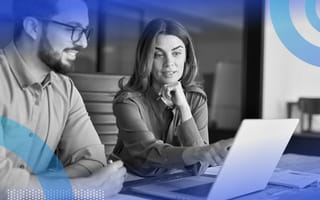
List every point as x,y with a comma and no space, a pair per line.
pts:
292,162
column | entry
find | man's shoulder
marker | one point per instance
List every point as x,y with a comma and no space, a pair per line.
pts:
4,64
65,87
63,82
3,59
62,77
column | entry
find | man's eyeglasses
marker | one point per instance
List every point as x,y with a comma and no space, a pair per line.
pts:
77,31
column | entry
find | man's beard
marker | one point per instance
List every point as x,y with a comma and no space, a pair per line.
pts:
53,58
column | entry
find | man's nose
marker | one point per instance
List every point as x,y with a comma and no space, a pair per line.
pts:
82,42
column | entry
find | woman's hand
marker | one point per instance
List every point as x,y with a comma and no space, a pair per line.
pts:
174,93
213,154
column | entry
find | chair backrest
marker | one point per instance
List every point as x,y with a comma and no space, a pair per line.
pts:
97,91
309,106
225,108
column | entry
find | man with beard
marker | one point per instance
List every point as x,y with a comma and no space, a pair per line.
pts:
35,93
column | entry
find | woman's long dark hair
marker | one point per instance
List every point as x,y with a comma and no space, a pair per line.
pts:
140,80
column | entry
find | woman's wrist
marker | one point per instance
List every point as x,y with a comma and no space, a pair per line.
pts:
188,156
185,112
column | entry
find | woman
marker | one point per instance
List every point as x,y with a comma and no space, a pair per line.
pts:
161,111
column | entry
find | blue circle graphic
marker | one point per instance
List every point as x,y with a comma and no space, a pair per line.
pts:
312,14
51,175
289,36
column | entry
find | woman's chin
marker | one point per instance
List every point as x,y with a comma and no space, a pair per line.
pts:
170,80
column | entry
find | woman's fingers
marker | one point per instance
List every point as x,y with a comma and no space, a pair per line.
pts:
210,155
215,155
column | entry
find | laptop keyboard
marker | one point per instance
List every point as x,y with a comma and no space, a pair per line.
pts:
199,190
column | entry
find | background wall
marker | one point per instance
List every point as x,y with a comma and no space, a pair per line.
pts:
286,77
214,47
216,27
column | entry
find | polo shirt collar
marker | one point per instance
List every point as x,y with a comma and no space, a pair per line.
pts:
20,69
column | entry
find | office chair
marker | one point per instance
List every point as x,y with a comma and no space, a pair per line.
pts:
97,91
226,97
309,107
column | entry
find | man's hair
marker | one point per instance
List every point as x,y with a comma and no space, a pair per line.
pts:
31,8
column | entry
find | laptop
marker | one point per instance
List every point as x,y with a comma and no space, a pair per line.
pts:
255,153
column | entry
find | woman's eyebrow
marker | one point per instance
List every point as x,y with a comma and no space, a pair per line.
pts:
175,48
158,48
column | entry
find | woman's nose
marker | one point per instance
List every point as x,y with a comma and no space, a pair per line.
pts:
169,61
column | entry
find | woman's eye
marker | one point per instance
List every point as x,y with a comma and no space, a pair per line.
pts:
177,53
158,55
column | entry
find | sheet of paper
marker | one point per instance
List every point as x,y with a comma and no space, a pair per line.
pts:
213,170
293,178
132,177
300,163
125,197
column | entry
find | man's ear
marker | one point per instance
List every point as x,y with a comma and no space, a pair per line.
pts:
32,27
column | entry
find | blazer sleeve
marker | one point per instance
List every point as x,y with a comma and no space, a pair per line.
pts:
145,150
194,132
